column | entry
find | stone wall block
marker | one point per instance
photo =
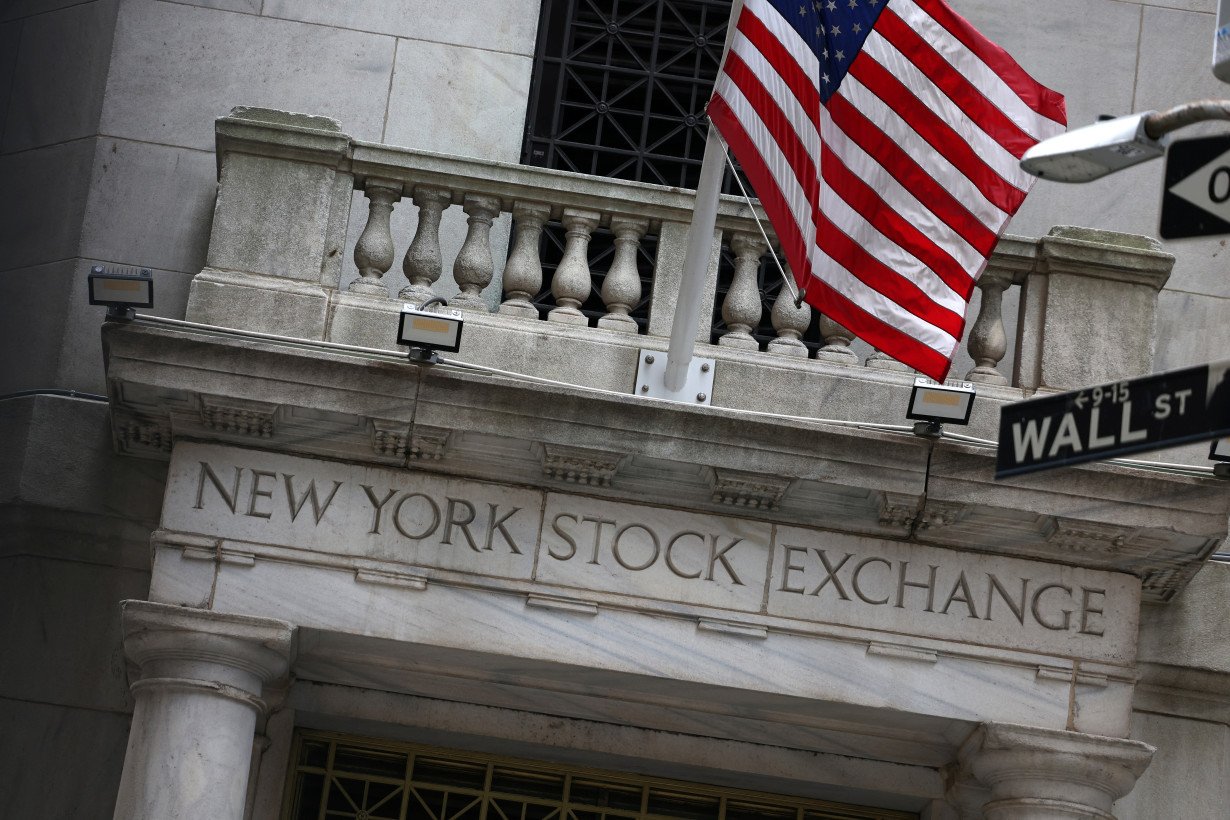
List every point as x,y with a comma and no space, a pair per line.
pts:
276,193
1089,308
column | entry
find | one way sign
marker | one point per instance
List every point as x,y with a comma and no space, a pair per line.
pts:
1196,196
1114,419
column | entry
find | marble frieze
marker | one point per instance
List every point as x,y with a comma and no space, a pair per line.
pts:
568,545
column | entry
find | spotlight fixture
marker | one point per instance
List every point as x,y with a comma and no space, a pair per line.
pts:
933,404
426,332
122,291
1220,452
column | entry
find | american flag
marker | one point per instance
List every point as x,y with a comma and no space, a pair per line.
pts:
882,138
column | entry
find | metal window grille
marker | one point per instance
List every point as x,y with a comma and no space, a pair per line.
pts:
346,778
618,90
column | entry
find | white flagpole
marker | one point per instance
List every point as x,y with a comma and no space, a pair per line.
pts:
688,307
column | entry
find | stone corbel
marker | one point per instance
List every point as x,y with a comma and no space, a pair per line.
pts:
429,443
1041,774
140,434
242,417
390,439
938,514
899,510
757,491
1087,537
580,465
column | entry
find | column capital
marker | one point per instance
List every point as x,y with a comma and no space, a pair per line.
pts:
173,642
1046,774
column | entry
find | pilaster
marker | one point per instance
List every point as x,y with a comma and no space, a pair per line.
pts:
1045,774
199,681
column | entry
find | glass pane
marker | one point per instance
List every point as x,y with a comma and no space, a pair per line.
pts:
314,753
673,804
529,783
751,811
370,761
308,795
606,795
449,773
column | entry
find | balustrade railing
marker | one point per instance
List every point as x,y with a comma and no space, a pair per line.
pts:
257,152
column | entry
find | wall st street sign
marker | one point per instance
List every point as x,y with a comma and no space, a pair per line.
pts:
1114,419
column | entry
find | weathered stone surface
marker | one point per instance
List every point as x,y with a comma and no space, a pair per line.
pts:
489,24
198,683
1089,289
67,752
36,302
668,273
1187,633
59,77
149,206
1173,785
1035,773
594,546
1177,314
207,60
43,224
459,100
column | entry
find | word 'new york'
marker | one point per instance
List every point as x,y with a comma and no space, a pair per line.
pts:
415,516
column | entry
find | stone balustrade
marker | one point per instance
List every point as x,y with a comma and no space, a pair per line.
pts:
276,262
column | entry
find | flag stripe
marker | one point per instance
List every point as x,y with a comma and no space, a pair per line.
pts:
1002,162
911,175
849,251
876,304
794,245
975,105
797,199
757,39
924,123
884,146
1039,98
855,317
889,222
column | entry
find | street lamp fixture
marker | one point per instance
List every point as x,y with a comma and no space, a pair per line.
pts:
1092,152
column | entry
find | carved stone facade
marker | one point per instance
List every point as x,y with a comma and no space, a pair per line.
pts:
775,588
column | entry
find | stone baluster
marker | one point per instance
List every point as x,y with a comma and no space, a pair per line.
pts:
837,341
790,322
423,263
523,271
742,308
198,696
572,281
474,266
1045,774
988,341
621,287
373,253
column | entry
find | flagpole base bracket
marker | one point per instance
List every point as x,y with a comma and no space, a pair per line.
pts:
697,387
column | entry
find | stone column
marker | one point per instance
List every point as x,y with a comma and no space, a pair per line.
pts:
198,695
1047,774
